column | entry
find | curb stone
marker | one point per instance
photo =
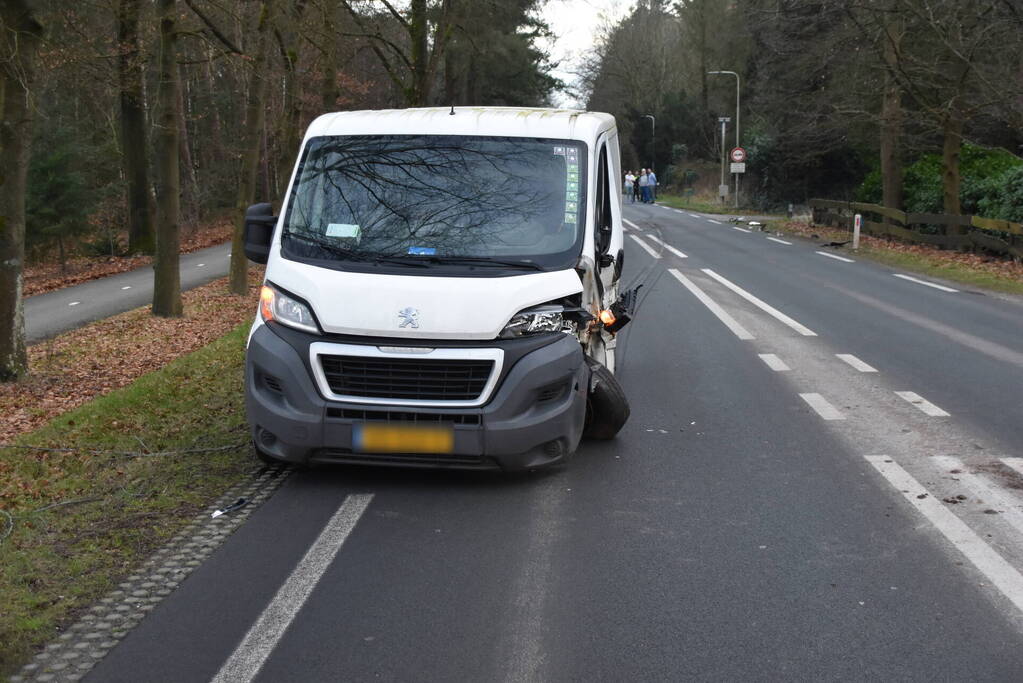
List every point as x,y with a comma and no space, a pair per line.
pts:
82,645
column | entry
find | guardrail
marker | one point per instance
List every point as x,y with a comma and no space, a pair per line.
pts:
967,233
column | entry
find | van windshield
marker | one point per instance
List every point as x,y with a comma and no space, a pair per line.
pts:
452,201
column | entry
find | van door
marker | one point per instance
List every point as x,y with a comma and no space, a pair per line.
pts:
607,226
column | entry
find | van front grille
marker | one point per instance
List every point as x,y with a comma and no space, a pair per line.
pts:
407,378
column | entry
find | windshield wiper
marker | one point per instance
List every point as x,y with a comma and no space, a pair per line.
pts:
351,255
483,261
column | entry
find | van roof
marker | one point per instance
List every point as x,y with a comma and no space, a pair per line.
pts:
566,124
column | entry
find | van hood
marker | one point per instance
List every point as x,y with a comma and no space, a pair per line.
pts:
377,305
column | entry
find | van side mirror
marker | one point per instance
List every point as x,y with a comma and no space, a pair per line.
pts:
259,232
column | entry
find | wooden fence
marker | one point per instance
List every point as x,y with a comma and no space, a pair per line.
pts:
968,233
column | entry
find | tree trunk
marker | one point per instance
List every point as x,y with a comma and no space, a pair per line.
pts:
167,278
292,105
419,31
891,123
133,129
19,43
952,128
255,110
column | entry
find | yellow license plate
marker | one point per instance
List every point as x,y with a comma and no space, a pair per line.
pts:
403,439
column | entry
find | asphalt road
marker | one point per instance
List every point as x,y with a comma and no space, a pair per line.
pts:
774,510
65,309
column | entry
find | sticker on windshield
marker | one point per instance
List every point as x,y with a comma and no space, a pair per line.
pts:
421,251
344,230
570,218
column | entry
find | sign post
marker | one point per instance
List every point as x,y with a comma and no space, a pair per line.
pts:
723,187
738,157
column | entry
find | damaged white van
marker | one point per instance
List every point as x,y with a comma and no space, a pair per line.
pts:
442,290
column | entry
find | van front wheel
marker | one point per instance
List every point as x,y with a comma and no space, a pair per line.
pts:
607,408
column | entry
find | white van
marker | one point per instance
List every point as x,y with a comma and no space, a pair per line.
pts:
441,290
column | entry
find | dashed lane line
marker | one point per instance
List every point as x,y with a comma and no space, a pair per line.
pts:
995,497
855,362
924,282
248,658
74,303
736,227
730,322
631,224
773,362
775,239
922,404
765,307
126,287
835,256
678,211
714,221
645,246
822,407
694,215
200,265
982,556
667,246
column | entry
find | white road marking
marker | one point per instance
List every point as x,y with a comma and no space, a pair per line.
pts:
645,246
773,362
982,556
714,221
775,239
924,282
993,496
1014,463
631,224
834,256
667,246
250,655
74,303
923,404
765,307
730,322
126,287
678,211
695,215
200,265
855,362
822,407
736,227
662,206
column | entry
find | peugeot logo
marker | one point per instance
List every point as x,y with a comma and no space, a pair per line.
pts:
409,318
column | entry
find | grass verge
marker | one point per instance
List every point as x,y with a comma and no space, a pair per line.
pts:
704,205
82,517
974,270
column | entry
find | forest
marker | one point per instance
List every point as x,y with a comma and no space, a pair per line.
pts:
128,122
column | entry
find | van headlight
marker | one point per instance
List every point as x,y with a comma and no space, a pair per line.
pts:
533,321
287,311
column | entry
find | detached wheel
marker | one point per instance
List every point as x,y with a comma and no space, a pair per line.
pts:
607,408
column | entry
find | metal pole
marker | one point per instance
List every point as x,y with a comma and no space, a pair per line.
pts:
737,103
724,121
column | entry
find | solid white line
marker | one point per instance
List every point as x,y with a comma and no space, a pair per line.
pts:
855,362
248,658
645,246
775,239
998,498
822,407
667,246
765,307
631,224
730,322
714,221
1014,463
661,206
736,227
773,362
126,287
74,303
837,258
923,282
923,404
982,556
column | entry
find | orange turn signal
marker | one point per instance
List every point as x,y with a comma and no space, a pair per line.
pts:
266,302
607,317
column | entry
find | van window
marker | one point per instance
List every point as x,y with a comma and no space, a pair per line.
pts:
435,200
602,215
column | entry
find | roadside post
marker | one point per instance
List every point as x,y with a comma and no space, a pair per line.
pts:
857,224
738,157
723,187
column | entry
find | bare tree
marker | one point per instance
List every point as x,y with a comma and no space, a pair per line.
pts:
20,34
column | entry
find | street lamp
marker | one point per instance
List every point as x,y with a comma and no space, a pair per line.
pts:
736,124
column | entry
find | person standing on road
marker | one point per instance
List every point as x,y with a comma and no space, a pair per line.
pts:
635,186
629,185
652,184
644,188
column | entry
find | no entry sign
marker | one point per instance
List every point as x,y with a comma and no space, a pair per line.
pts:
738,155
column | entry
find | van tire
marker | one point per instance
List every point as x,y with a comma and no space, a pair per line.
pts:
607,407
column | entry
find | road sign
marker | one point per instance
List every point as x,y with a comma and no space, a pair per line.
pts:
722,190
738,155
738,167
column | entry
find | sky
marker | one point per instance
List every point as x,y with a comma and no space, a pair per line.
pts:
576,23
